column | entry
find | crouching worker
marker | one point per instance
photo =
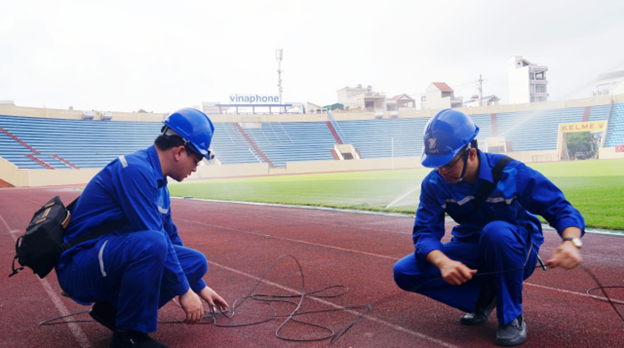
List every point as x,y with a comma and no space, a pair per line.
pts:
134,270
497,232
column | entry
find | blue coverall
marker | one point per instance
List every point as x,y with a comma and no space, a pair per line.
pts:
137,268
502,234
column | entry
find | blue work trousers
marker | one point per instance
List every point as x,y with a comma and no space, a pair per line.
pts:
127,270
501,247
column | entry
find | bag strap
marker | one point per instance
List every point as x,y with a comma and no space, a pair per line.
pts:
16,270
100,231
486,188
71,205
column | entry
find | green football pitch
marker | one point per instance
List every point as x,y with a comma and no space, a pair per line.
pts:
595,188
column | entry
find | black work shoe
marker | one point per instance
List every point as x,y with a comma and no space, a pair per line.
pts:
134,339
479,316
512,334
485,305
104,313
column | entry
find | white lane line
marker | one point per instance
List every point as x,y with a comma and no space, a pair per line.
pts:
5,224
411,216
296,240
79,335
74,328
379,321
369,254
558,290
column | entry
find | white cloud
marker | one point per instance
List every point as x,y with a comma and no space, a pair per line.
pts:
160,55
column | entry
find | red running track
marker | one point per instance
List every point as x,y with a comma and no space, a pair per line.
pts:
356,250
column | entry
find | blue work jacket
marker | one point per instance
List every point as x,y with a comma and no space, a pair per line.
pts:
520,193
131,188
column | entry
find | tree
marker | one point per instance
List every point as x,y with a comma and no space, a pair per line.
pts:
580,145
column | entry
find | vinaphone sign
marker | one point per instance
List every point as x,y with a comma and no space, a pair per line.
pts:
253,99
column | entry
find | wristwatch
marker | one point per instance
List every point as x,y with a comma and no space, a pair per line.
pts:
576,241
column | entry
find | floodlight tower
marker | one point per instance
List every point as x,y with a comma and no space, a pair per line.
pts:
278,56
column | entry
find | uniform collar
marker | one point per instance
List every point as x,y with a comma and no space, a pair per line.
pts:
152,155
485,169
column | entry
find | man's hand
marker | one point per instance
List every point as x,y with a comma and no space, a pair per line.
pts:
453,272
192,306
456,273
213,299
566,256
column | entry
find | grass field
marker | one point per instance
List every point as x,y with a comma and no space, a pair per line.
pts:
596,188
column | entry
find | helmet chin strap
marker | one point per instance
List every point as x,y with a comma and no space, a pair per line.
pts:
463,172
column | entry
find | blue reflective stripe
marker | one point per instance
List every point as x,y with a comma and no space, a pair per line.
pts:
101,259
131,188
521,192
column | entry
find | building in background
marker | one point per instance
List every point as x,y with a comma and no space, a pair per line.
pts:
439,95
610,83
400,102
485,101
527,81
362,98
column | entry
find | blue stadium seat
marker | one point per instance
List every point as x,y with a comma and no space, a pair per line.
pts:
615,128
93,144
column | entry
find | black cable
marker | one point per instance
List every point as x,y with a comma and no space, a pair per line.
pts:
239,306
52,321
267,300
604,292
587,270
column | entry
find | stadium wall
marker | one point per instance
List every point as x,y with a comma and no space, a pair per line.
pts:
609,153
10,110
43,177
339,116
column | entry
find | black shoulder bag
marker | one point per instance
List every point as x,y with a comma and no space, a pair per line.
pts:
40,247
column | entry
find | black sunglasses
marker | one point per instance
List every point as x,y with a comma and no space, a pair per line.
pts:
452,164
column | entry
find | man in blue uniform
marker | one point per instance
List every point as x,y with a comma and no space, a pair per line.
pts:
136,269
496,233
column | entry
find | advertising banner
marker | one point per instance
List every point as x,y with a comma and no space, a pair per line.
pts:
591,126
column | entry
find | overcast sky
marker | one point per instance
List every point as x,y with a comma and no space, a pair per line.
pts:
164,55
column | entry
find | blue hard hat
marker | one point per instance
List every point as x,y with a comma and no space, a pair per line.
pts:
194,127
445,135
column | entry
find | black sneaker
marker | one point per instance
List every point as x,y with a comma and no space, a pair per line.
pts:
512,334
104,313
134,339
485,305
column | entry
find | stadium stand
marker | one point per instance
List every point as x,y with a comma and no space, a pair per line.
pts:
598,112
14,152
93,144
536,130
230,147
285,142
615,128
39,143
385,137
484,121
83,144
